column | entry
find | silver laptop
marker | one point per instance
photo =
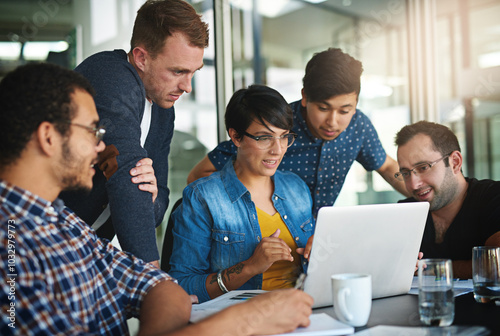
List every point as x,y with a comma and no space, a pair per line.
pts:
381,239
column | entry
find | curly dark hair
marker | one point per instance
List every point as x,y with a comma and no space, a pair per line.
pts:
30,95
331,73
257,103
158,19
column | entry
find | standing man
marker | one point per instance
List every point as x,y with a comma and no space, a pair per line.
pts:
135,94
59,277
464,212
332,133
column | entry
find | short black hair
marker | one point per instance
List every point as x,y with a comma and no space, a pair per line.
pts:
30,95
331,73
443,139
257,103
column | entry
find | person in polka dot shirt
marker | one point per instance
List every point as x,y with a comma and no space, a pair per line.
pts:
332,133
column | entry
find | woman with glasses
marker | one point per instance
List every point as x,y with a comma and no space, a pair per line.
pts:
240,227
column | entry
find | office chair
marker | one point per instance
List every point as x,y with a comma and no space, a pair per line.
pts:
168,240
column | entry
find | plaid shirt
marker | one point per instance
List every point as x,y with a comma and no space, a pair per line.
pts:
59,278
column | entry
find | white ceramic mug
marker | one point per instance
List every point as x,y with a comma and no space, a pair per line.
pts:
352,298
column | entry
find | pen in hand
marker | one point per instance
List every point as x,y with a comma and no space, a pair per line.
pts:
300,281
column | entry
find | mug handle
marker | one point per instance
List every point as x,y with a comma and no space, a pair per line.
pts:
342,293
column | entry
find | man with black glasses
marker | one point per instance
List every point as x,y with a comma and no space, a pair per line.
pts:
464,212
59,277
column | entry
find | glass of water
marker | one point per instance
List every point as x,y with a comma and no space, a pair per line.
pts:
436,302
486,273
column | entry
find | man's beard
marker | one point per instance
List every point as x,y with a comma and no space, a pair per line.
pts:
447,192
70,167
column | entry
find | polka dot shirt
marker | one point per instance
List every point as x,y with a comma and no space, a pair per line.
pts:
323,165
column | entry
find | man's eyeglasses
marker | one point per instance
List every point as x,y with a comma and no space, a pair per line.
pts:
98,131
267,141
420,169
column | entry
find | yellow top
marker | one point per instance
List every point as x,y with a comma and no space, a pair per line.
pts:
281,274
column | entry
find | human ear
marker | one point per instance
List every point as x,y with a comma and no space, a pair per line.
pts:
234,137
456,161
48,138
303,102
140,55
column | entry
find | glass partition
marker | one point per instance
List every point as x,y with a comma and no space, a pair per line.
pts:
469,80
285,35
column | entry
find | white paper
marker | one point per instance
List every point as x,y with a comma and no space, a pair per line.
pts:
322,324
205,309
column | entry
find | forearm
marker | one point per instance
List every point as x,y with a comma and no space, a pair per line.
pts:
166,308
132,213
236,320
397,185
493,240
202,169
463,268
160,206
387,171
233,278
275,312
218,158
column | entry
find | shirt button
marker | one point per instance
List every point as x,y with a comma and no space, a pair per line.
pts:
297,238
226,238
258,238
285,217
275,198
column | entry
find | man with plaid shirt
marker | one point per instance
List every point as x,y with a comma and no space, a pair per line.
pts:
59,278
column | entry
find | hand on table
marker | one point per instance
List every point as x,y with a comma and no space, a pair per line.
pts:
280,311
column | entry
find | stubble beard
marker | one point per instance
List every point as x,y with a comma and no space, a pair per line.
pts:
446,193
70,167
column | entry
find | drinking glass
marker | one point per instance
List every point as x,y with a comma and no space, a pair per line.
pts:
436,302
486,273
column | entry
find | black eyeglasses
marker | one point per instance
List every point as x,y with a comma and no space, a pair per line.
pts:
267,141
98,131
420,169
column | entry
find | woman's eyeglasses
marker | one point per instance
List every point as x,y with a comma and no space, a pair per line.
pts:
267,141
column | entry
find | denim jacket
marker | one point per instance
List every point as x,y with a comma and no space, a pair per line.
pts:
216,226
